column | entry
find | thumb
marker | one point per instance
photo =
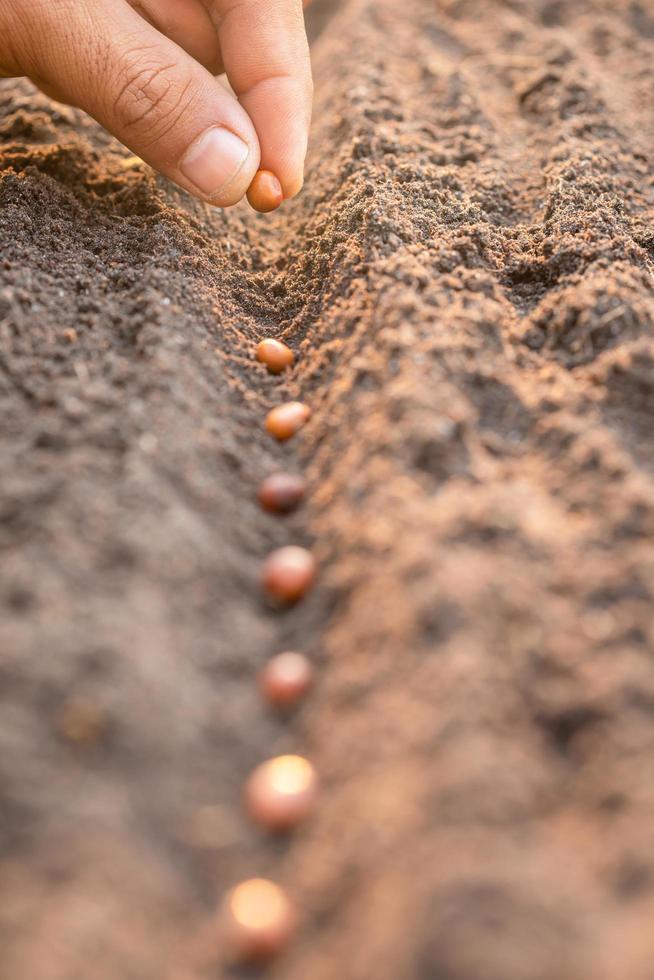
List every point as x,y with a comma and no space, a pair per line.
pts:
148,92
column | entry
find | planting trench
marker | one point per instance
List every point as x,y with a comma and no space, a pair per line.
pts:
466,280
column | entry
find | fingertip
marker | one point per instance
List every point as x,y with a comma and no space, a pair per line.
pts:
294,187
272,79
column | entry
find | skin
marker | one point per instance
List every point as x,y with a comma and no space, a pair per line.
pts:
145,69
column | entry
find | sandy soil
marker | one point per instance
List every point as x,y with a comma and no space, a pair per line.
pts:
467,281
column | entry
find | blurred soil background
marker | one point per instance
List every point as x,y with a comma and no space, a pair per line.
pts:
467,282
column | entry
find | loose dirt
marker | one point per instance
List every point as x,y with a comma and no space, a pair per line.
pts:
466,280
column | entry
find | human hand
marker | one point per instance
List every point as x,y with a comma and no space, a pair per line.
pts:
145,70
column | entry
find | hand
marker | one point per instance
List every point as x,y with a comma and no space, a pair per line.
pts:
145,70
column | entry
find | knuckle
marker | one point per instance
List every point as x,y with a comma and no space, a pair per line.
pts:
150,96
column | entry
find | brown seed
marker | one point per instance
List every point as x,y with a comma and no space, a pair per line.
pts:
265,192
258,920
285,679
281,793
285,420
288,573
280,493
275,355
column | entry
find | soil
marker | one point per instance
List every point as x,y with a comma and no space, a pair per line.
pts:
467,282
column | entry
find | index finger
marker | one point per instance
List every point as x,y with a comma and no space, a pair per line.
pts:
266,57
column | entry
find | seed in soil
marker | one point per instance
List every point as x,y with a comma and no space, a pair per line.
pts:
280,493
258,921
285,679
281,793
265,192
288,573
285,420
275,355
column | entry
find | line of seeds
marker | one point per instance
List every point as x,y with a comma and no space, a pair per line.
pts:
259,917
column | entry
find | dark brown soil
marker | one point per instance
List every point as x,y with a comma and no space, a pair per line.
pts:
467,281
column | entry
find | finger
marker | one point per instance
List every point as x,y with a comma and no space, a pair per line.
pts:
187,23
266,57
149,93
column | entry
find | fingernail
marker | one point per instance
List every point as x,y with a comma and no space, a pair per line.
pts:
213,160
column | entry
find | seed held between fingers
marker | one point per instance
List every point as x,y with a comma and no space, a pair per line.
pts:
285,679
281,793
259,920
288,573
265,192
275,355
285,420
280,493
